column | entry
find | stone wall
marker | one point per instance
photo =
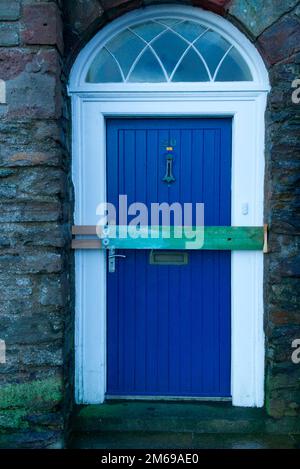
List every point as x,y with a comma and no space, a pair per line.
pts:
36,206
35,217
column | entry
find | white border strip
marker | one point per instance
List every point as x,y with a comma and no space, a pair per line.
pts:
247,267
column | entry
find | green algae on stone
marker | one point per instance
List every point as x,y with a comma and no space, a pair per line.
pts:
13,419
31,394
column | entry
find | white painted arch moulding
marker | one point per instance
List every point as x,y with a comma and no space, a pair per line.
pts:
85,58
245,102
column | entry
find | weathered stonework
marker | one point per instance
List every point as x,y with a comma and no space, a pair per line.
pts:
282,40
42,24
35,218
258,15
9,10
9,35
36,205
31,407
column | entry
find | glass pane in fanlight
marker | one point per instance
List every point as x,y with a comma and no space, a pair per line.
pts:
212,47
104,69
191,69
189,30
148,30
169,21
234,68
169,47
147,69
125,47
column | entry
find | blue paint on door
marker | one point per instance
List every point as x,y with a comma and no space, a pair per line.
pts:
169,326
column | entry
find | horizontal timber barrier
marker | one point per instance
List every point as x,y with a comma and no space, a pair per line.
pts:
230,238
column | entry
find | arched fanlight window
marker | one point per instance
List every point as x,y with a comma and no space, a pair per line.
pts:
168,50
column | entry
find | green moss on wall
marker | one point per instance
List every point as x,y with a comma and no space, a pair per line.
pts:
32,394
13,419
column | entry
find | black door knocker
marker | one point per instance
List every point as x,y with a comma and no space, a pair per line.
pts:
169,178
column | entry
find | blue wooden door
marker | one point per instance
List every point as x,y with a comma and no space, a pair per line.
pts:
169,325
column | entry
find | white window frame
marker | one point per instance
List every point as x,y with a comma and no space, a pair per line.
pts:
245,102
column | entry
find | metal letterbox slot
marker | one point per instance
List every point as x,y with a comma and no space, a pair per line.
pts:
168,258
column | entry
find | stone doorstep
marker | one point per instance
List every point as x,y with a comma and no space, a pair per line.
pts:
149,424
158,440
198,418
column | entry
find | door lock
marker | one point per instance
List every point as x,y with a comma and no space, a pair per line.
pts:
112,260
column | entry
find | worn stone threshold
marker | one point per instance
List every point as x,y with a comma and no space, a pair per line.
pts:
163,440
151,424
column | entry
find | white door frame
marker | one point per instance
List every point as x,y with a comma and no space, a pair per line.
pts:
246,104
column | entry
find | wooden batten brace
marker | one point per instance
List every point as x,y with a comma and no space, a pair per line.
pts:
85,237
266,239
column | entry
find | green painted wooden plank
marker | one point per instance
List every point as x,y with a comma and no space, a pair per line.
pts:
208,238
